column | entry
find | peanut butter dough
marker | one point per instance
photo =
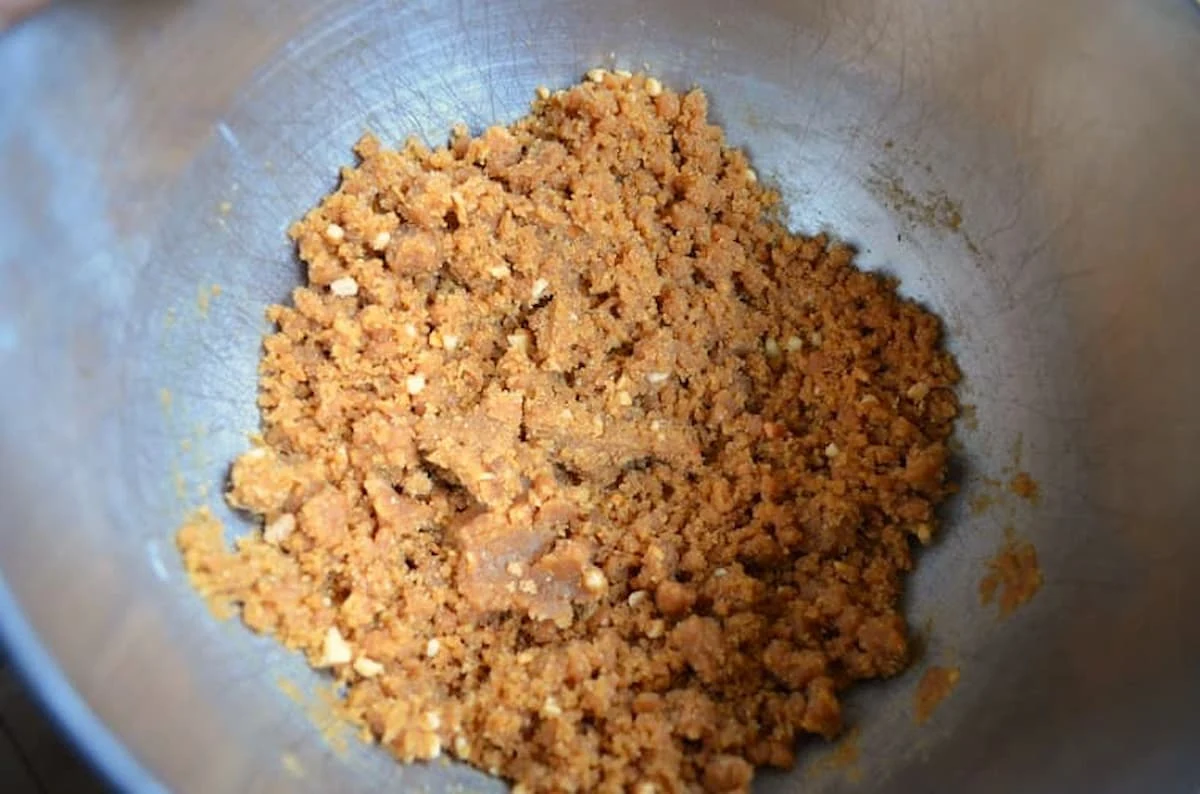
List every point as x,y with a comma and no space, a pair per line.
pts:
576,464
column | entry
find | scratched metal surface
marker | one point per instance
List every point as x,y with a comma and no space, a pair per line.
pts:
151,149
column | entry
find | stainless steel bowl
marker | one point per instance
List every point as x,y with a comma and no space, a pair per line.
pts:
152,149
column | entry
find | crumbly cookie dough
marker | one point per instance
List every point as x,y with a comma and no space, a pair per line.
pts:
576,465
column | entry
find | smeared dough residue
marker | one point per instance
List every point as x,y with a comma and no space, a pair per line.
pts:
1013,577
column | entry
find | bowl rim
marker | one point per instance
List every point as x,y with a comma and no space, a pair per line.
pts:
69,714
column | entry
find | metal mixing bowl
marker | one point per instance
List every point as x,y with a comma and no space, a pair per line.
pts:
1030,169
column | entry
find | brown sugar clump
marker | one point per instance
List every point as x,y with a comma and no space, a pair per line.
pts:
576,465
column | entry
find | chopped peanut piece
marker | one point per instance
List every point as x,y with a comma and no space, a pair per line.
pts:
594,580
519,342
278,530
918,391
367,667
380,241
344,287
432,747
335,649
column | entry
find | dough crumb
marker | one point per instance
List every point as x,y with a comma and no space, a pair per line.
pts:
1013,577
935,686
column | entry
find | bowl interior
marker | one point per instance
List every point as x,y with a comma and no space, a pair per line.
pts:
1029,174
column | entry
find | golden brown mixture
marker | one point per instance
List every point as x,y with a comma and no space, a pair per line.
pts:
1014,575
934,687
576,465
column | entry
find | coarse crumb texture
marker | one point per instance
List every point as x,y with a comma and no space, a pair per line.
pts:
577,465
